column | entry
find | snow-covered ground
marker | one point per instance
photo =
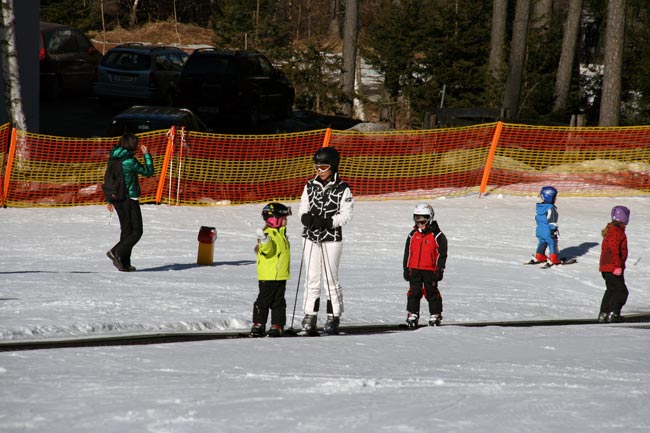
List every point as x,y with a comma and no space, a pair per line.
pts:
55,281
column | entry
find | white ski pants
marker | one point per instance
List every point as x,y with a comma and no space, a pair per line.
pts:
322,265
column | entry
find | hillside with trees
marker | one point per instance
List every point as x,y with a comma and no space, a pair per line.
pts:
534,61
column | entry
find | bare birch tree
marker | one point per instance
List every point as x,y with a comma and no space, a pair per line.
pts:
516,63
610,100
134,17
567,56
350,40
10,69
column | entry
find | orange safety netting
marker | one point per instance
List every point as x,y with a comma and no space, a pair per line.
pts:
578,161
5,130
208,169
225,169
414,163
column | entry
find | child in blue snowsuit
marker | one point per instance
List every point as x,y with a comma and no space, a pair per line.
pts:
546,217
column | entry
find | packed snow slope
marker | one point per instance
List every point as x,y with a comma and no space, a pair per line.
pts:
56,281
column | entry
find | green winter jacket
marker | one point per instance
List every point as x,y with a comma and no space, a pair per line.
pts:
132,168
273,256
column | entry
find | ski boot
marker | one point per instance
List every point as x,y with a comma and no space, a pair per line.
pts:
257,330
555,260
537,259
275,331
412,320
435,319
309,323
602,317
331,325
614,318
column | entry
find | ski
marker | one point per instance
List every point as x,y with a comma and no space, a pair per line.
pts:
300,333
563,261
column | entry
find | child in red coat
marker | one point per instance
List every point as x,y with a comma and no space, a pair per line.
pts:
425,256
612,265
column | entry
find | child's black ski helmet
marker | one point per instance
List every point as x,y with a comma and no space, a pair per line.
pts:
276,210
329,156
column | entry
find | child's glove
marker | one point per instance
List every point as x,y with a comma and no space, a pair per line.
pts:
618,272
261,236
439,274
407,274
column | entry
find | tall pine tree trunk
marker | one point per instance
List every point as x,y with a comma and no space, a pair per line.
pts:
12,91
334,26
569,45
516,63
498,39
350,37
541,14
610,103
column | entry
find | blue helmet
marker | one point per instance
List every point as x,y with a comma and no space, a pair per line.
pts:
548,194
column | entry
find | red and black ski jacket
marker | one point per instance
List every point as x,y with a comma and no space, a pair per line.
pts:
426,249
614,248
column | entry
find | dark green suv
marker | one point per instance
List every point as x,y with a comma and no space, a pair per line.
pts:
239,85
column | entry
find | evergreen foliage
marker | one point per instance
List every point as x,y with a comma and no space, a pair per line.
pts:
418,47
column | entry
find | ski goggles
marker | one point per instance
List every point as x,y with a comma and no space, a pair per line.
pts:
421,221
322,168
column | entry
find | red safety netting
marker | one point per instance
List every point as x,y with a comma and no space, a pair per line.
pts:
209,169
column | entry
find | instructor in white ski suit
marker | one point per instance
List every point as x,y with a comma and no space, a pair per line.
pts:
325,206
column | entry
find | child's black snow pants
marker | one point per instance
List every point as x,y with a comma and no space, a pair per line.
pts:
615,295
423,283
271,295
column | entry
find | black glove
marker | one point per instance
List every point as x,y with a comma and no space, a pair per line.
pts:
306,219
407,274
555,234
439,274
320,222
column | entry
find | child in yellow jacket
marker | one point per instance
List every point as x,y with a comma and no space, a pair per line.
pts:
273,262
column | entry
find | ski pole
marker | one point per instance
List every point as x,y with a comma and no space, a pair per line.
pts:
325,262
171,134
295,301
180,164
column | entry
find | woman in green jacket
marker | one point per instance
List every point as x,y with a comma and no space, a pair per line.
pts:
128,210
273,260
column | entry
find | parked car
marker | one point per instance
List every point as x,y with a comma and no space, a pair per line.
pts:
144,118
235,84
140,72
68,60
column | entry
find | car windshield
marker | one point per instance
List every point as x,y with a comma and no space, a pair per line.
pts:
127,61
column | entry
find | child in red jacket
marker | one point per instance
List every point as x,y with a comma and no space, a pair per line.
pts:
612,265
425,255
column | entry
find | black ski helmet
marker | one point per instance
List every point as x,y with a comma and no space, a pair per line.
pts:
276,210
328,155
